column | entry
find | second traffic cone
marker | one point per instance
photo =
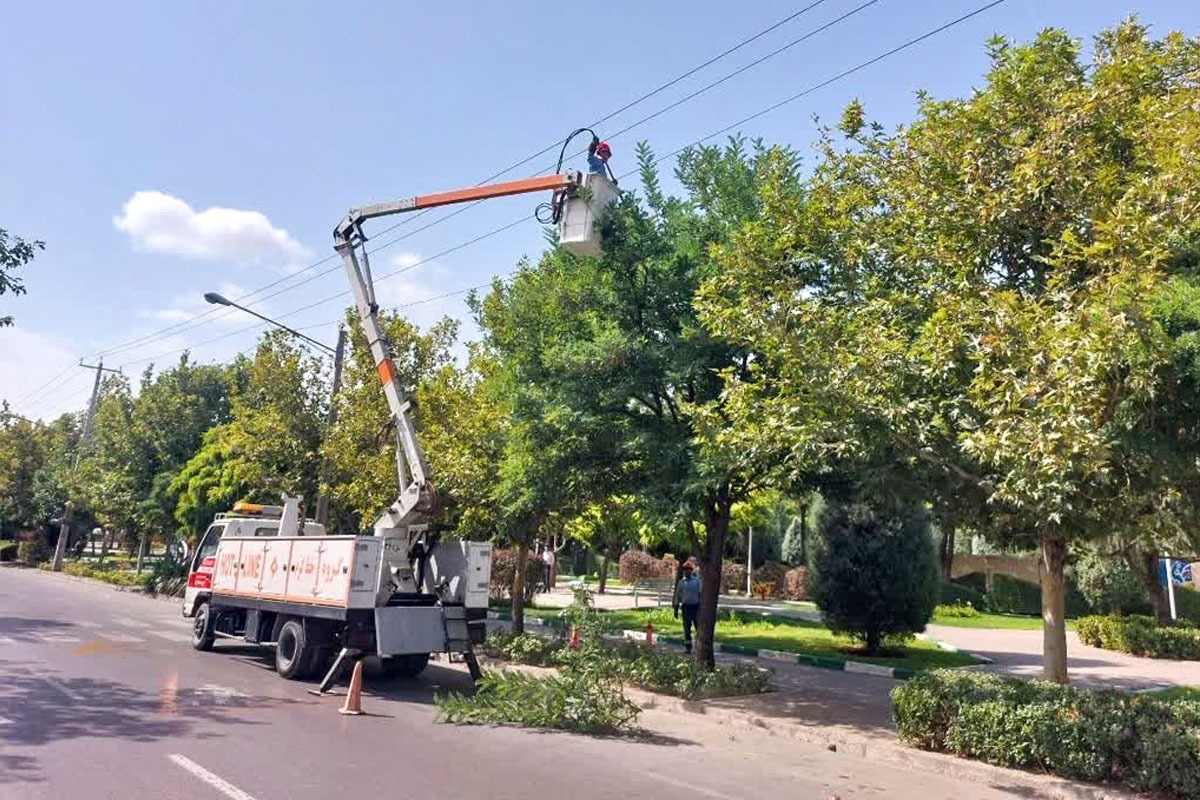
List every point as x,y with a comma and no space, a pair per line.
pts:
650,633
353,704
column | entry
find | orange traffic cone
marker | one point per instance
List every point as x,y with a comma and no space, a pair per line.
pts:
353,704
574,643
650,633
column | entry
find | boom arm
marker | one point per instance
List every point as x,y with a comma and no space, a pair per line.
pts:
418,497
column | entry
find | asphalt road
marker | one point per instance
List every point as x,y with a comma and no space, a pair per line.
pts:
101,696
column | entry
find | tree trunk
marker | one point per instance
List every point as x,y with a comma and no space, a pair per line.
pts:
141,555
603,556
716,521
874,640
518,589
947,551
1145,566
1054,607
104,546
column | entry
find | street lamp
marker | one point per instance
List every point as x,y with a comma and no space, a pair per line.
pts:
220,300
331,416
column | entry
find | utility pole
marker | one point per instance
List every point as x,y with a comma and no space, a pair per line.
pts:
330,420
750,562
64,531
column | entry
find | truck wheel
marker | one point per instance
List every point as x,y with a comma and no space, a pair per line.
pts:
406,666
202,628
293,654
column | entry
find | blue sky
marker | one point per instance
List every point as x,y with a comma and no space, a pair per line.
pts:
163,150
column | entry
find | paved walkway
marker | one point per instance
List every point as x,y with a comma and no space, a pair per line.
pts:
1015,652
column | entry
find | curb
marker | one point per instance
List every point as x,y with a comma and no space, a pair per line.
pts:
953,648
889,751
775,656
62,576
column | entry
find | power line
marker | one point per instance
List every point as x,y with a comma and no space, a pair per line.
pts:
841,75
203,317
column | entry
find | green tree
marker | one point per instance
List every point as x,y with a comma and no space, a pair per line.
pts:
22,456
969,298
269,446
15,253
608,527
873,572
612,372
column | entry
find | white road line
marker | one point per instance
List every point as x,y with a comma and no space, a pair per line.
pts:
86,624
121,637
6,640
174,636
131,623
58,638
216,781
690,786
5,721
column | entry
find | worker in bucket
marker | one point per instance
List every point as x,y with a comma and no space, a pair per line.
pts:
598,155
687,596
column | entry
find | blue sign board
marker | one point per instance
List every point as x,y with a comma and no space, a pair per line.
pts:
1181,572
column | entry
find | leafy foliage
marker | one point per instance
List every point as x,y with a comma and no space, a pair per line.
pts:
504,568
1109,586
15,253
874,576
1140,636
1148,744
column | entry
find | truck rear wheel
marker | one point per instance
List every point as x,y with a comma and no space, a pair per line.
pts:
202,628
293,651
406,666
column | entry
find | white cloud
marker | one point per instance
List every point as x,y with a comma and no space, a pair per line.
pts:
185,307
160,223
406,260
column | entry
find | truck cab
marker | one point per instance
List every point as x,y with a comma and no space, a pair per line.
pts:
243,520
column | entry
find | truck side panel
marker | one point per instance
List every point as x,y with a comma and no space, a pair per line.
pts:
277,555
229,554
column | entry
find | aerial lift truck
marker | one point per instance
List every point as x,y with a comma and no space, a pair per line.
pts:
266,575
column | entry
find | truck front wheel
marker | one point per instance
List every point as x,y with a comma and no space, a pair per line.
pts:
293,652
202,628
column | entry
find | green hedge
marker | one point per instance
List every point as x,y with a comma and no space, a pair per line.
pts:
954,594
1150,745
1140,636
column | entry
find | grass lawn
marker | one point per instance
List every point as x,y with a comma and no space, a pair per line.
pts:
1178,693
1005,621
781,633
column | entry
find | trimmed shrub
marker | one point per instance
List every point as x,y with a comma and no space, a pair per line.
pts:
957,611
1140,636
1151,745
504,569
733,576
637,566
795,584
1187,603
957,595
1011,595
1109,586
34,550
874,576
770,574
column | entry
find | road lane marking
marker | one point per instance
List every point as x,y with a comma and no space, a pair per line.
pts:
690,786
174,636
6,640
5,721
216,781
131,623
122,637
58,637
86,624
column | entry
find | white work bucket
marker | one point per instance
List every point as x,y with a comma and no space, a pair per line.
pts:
579,228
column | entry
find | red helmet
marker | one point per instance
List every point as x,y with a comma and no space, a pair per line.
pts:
603,149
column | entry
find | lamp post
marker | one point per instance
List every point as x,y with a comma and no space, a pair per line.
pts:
322,513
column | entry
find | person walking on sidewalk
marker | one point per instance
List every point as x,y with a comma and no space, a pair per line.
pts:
687,597
548,564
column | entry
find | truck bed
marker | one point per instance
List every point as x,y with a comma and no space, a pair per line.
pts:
331,571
